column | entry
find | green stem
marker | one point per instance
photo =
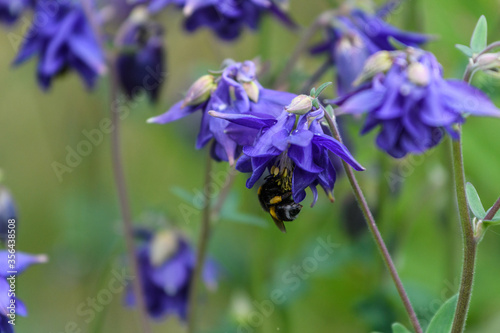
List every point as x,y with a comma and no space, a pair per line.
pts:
375,232
201,252
224,192
470,245
119,175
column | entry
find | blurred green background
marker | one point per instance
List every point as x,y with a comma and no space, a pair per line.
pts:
76,220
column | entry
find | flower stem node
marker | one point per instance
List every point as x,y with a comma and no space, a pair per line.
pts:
300,105
200,91
419,74
379,62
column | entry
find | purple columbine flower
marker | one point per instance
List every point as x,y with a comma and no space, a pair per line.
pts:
62,38
11,10
352,37
140,64
298,144
226,18
22,261
406,96
166,262
235,90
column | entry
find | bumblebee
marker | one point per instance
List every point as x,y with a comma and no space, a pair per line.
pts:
275,197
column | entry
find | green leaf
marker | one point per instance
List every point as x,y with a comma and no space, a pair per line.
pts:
479,38
496,217
182,193
398,328
397,44
313,92
322,87
465,50
474,201
443,319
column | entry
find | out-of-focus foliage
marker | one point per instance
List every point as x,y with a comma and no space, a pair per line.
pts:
343,288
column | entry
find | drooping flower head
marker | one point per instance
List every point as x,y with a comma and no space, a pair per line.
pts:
62,38
140,64
294,147
405,95
226,18
352,36
166,263
10,306
11,10
234,90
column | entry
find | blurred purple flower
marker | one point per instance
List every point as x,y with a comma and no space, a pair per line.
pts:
296,143
166,262
353,37
408,98
140,64
236,90
226,18
11,10
7,212
22,261
62,38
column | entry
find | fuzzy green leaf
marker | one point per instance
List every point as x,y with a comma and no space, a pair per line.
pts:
474,202
321,88
479,38
465,50
443,319
398,328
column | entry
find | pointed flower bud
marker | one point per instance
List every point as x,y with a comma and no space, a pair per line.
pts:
252,90
418,74
300,105
200,91
379,62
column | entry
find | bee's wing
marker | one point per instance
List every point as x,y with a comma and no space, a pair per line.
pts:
279,224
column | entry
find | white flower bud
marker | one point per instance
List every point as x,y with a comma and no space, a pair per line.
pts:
300,105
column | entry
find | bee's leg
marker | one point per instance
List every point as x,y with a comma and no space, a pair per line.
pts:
279,198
